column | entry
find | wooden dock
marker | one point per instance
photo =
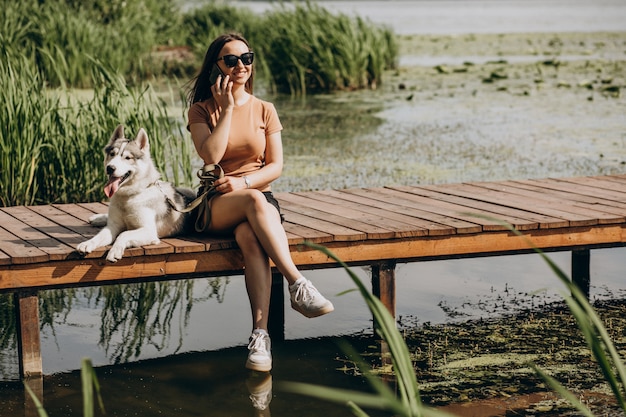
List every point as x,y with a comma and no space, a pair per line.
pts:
371,226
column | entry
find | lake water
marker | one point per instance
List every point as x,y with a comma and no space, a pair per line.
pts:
450,17
208,331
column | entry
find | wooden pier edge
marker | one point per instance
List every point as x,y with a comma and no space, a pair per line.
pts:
373,227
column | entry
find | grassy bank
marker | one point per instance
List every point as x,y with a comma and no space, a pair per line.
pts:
51,141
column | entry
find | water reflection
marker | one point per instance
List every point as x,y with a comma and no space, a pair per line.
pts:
138,315
132,318
260,388
204,384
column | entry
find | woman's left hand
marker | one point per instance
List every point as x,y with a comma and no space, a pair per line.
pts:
229,184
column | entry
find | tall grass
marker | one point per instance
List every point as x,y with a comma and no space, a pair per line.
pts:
307,49
51,141
408,402
303,47
63,37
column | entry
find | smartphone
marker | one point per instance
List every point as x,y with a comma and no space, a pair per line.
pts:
215,72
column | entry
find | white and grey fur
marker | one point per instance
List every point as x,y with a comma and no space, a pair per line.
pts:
139,212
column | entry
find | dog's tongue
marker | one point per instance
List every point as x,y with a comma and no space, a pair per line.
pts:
111,187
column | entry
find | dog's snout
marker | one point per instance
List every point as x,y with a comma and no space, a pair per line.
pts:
110,169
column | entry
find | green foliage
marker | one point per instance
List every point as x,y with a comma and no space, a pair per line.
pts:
62,38
51,141
308,49
302,49
598,339
408,402
206,23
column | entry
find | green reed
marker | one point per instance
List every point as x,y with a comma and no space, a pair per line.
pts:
307,49
303,49
62,37
406,402
52,140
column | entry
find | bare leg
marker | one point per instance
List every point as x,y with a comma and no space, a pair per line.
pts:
257,274
268,237
231,209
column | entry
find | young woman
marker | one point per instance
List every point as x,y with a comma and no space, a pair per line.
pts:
231,127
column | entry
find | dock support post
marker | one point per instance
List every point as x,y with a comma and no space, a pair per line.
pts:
384,287
581,275
384,284
276,321
28,340
36,386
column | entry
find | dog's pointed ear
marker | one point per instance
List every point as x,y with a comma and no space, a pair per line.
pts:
117,134
142,140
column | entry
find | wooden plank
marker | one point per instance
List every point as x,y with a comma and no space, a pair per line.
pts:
598,183
569,196
61,215
340,214
66,220
511,200
224,261
535,220
299,234
20,251
571,206
408,250
59,242
402,225
77,210
423,221
465,212
317,221
4,258
184,244
397,202
579,188
422,226
621,179
96,208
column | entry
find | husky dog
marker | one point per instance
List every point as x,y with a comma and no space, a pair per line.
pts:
142,208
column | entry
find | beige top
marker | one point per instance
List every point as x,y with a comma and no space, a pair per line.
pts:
251,124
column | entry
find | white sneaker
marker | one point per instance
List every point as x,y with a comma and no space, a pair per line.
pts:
306,299
260,389
260,356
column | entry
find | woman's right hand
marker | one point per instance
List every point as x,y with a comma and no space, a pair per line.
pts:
223,92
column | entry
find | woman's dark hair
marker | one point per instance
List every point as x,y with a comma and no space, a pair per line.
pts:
201,88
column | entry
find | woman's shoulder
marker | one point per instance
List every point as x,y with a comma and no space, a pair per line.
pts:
263,104
206,105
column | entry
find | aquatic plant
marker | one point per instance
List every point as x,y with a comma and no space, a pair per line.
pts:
51,140
307,49
408,402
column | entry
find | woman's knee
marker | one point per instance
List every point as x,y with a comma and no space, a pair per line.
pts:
256,200
246,238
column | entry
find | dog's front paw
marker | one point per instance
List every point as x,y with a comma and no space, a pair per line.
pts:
86,247
116,253
99,220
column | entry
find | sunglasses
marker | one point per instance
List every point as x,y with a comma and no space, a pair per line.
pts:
231,60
